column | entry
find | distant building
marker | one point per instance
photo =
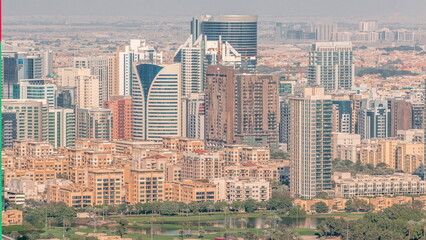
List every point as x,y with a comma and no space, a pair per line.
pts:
374,119
195,115
33,117
86,84
105,68
368,26
325,32
9,128
94,123
122,116
62,127
331,65
35,89
137,52
401,116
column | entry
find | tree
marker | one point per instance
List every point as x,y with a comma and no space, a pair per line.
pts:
121,228
250,205
358,205
280,201
320,207
297,212
169,208
249,236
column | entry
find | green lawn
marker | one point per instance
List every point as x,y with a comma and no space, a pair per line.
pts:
167,222
353,216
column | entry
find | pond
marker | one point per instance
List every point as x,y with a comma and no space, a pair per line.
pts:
211,226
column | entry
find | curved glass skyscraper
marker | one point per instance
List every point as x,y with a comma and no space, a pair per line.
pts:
239,30
156,96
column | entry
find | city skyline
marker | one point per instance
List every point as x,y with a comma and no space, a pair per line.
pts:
306,8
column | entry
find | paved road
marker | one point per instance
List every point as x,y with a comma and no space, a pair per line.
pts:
7,238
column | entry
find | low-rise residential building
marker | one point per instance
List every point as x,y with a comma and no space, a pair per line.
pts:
377,185
235,189
145,185
12,217
200,164
192,191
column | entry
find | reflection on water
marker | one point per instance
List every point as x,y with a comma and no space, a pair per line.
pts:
233,223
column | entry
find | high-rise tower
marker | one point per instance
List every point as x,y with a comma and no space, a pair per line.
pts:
310,143
239,30
331,65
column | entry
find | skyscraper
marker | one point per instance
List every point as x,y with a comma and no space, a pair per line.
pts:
196,56
220,106
122,111
331,65
36,89
137,52
256,109
310,143
238,30
157,102
94,123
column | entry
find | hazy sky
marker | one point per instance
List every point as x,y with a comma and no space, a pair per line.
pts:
291,8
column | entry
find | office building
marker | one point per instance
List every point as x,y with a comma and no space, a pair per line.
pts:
122,112
36,89
9,128
310,140
157,102
374,119
136,52
62,127
94,123
331,65
31,117
240,31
